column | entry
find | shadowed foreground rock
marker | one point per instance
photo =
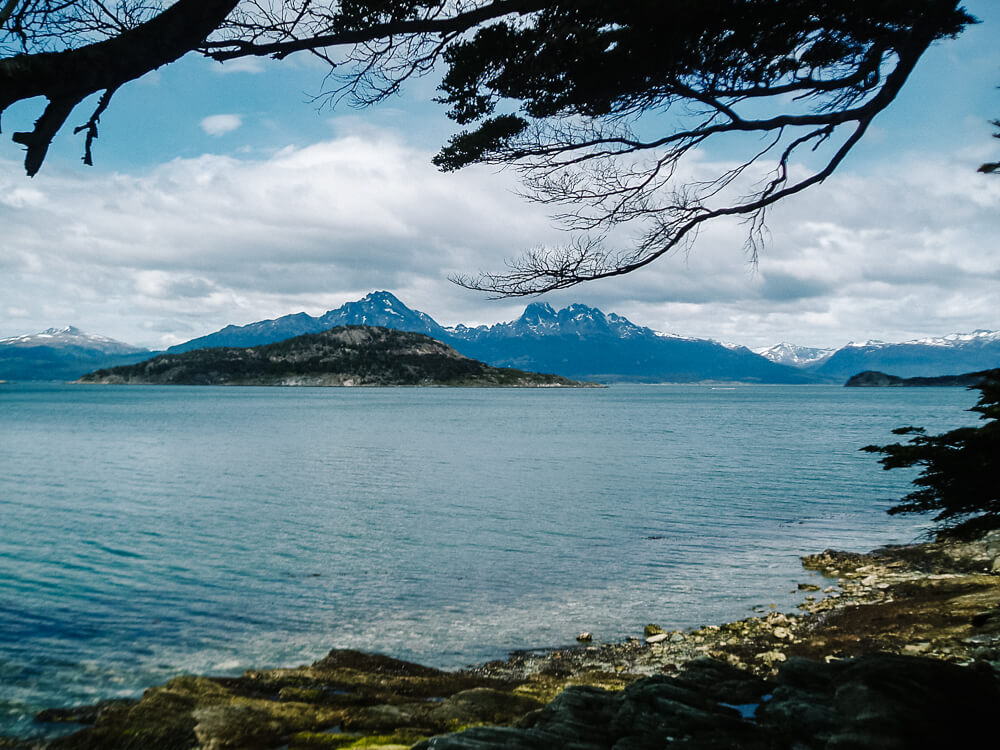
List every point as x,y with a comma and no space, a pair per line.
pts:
878,701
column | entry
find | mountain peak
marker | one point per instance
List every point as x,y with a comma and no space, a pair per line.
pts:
538,313
580,312
539,308
793,354
381,298
68,330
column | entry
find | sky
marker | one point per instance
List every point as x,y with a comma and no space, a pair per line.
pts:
224,194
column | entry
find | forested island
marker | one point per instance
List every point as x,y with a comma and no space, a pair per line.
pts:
342,356
875,379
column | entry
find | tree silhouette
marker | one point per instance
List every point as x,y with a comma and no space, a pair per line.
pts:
960,468
992,167
604,108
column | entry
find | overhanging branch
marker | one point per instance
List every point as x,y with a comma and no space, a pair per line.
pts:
67,78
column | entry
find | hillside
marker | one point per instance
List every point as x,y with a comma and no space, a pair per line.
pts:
343,356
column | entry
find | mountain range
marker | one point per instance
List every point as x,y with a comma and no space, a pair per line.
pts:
577,341
929,357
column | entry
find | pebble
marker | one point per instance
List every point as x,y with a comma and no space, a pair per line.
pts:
658,638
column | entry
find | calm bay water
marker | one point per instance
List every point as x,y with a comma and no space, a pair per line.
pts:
146,532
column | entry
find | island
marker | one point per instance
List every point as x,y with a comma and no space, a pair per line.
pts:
875,379
341,356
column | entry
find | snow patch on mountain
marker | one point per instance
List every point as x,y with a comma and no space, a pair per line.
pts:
71,336
793,354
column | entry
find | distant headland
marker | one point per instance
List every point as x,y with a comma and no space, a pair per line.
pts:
875,379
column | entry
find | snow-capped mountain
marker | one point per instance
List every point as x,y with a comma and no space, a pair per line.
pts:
793,355
577,341
375,309
928,357
62,354
70,336
953,354
979,337
381,309
540,319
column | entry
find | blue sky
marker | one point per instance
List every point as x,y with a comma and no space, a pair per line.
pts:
221,195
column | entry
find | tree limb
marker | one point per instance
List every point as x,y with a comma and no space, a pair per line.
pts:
66,78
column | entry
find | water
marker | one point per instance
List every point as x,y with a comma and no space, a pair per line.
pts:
146,532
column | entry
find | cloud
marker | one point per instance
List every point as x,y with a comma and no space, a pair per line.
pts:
218,125
195,244
251,65
214,240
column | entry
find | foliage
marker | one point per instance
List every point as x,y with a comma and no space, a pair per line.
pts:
960,467
992,167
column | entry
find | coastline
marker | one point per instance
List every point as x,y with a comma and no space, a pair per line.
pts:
921,621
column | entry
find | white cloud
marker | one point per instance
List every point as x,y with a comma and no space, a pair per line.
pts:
195,244
221,124
252,65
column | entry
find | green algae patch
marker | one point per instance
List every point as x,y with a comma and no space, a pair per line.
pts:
543,688
324,740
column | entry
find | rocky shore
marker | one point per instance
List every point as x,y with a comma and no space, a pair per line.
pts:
899,648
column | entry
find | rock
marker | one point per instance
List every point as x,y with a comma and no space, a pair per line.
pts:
481,706
585,637
882,701
235,726
9,743
781,633
652,630
988,620
658,638
770,658
83,714
722,682
383,717
808,587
